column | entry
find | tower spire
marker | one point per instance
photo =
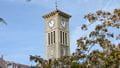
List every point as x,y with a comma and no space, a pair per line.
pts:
56,4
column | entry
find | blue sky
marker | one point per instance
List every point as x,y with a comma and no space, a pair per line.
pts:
24,35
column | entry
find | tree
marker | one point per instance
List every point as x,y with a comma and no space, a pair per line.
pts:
38,60
103,35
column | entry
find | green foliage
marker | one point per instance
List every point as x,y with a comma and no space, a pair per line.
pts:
108,57
75,65
102,36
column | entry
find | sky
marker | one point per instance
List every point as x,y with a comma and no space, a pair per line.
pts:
25,35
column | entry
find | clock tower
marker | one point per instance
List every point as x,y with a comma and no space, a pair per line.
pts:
57,34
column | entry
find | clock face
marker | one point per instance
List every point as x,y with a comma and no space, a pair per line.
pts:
51,23
63,23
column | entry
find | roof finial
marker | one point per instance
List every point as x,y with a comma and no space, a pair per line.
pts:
56,4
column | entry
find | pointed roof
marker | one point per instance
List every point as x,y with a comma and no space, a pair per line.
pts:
57,12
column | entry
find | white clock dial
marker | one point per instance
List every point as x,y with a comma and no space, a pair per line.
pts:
63,23
51,23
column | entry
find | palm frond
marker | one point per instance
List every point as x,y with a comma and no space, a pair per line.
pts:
3,21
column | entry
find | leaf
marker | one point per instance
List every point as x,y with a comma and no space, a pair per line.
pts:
107,23
117,11
90,17
114,18
110,35
84,27
3,21
105,30
93,34
99,12
116,25
98,27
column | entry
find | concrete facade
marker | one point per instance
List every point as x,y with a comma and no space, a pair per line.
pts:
57,34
